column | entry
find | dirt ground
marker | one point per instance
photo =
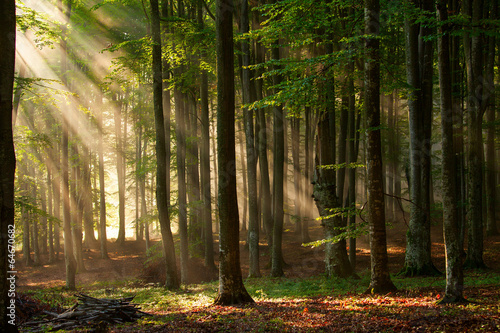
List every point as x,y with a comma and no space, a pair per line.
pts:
126,262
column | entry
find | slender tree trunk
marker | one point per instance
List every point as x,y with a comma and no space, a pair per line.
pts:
380,279
7,159
205,174
172,281
278,175
325,195
473,45
454,273
262,149
50,229
490,101
418,259
181,182
69,257
86,194
206,197
102,188
352,159
120,240
248,96
76,208
43,219
295,127
307,178
243,176
231,288
56,189
36,221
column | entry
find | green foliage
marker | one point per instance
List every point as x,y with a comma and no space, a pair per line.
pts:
45,31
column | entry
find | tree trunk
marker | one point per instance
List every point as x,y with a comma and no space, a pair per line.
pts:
278,174
231,288
243,176
7,160
454,273
352,157
489,96
307,207
172,281
295,126
205,174
102,188
473,45
262,148
181,181
76,208
419,64
69,257
336,259
117,104
86,194
253,222
50,229
380,279
36,220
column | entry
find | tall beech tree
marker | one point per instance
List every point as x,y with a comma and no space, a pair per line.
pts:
474,58
278,172
380,280
172,281
231,288
253,222
69,257
419,70
454,272
7,154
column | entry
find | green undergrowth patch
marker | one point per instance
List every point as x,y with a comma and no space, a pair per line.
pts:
159,299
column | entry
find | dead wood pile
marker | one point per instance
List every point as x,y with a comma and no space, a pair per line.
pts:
89,312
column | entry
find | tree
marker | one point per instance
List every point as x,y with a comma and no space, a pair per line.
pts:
231,288
7,156
172,281
473,46
454,272
419,68
489,95
380,279
102,189
253,222
278,173
69,257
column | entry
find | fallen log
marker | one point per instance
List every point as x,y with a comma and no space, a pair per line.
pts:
90,312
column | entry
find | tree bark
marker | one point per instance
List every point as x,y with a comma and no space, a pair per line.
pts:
490,101
454,272
120,240
473,45
278,175
231,288
418,260
380,279
324,192
103,239
7,157
253,222
205,167
172,281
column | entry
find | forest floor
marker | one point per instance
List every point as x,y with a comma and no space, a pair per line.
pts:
304,300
